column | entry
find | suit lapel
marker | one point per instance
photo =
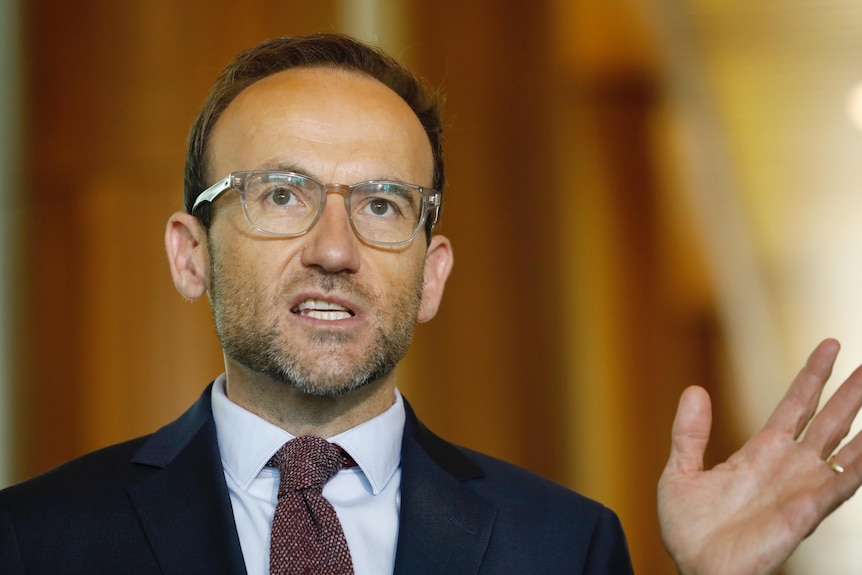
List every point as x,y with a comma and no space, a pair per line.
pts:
444,527
184,508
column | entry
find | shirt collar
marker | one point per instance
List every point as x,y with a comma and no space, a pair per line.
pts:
247,442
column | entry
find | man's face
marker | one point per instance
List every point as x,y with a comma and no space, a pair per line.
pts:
323,312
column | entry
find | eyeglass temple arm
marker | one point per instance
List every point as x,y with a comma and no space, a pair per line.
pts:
212,192
436,205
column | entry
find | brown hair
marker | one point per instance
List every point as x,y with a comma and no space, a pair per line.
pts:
319,50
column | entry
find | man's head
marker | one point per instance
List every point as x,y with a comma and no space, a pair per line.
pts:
319,50
325,312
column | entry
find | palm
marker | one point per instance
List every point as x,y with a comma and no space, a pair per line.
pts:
748,514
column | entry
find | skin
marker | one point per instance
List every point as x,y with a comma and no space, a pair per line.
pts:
340,127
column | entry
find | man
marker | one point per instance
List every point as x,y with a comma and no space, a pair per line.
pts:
313,182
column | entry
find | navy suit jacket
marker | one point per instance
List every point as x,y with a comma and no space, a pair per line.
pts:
160,504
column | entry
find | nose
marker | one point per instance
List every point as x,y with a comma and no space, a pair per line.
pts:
331,244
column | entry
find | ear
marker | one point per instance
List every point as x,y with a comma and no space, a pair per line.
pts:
438,264
185,241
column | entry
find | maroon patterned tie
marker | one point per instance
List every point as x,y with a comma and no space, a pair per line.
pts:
306,535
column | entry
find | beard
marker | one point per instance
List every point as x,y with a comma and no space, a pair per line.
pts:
248,326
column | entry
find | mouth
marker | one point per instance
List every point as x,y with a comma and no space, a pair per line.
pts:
322,310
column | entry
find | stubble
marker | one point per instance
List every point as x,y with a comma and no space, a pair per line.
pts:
248,325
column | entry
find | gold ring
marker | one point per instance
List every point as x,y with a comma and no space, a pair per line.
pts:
833,465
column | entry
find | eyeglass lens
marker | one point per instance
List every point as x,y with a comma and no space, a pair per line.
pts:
288,204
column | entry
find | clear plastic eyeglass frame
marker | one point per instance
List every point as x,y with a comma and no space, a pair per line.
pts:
431,201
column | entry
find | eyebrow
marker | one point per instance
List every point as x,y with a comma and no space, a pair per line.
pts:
284,167
297,169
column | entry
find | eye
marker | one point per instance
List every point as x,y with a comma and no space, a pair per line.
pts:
380,207
385,201
281,196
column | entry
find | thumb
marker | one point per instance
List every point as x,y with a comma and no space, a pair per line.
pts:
690,431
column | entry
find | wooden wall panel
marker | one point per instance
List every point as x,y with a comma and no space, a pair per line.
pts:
498,335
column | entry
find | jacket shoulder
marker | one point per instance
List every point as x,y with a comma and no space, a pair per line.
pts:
532,497
552,517
79,507
98,469
531,524
102,510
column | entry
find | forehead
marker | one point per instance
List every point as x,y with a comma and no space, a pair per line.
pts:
330,122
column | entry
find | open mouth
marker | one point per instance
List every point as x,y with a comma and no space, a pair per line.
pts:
323,310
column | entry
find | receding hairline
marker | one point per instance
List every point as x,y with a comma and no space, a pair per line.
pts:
405,109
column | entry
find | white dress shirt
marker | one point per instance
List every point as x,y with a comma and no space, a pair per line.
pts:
366,498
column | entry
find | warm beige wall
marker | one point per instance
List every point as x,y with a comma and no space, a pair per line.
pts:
771,158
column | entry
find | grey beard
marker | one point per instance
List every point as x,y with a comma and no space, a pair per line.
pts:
261,348
267,358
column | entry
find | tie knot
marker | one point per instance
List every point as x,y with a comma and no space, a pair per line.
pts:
306,462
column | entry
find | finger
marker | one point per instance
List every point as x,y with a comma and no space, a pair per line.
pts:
850,454
690,433
842,486
833,422
797,407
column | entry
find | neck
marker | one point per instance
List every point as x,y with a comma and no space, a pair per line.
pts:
300,413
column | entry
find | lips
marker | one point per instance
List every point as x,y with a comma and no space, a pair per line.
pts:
322,310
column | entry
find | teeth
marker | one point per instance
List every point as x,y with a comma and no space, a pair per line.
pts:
319,305
324,310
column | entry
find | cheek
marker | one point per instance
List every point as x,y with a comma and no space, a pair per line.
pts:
398,274
248,266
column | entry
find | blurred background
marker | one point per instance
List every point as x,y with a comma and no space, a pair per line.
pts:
644,195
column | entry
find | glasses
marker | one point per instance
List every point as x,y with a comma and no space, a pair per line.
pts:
288,204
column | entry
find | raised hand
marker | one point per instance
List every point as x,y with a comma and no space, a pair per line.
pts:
748,514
